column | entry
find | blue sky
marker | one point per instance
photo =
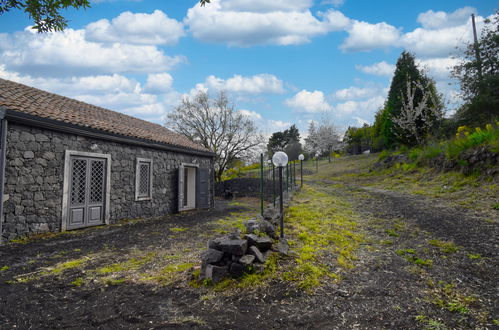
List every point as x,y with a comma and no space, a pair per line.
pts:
283,62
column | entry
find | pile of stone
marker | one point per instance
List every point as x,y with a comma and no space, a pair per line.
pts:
236,254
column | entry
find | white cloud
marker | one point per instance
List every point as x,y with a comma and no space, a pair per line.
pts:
363,36
275,22
149,29
355,93
378,69
335,3
278,125
360,121
305,101
440,19
441,42
250,114
159,82
69,53
263,6
358,107
439,68
257,84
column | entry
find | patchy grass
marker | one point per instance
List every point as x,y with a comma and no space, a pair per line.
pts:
446,295
61,267
446,247
178,229
323,232
409,255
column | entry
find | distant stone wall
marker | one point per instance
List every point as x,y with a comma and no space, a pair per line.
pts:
34,175
244,187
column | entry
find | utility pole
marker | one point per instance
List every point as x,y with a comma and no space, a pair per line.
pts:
477,49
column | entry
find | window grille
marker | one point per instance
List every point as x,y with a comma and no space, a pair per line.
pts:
143,189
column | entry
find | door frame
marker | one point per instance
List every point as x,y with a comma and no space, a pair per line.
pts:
181,180
66,182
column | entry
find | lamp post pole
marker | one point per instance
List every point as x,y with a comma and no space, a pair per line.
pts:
273,184
280,203
301,158
280,159
261,184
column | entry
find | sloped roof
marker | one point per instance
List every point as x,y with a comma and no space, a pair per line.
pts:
33,101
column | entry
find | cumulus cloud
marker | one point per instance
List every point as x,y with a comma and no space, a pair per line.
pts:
257,84
149,29
68,52
378,69
159,82
358,107
275,22
441,19
355,93
250,114
263,6
439,68
363,36
305,101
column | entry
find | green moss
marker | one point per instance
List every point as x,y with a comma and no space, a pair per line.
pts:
78,282
59,268
114,281
446,247
392,232
474,255
178,229
326,235
4,268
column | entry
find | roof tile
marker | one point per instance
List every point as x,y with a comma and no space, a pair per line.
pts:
29,100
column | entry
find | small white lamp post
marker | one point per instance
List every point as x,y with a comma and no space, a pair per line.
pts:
317,162
301,158
280,159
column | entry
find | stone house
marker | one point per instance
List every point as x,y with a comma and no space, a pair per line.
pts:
66,164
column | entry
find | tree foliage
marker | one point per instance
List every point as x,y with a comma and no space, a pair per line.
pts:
46,14
386,133
358,139
324,138
214,124
479,77
278,141
417,120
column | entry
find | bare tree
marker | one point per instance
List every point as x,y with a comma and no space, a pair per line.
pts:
416,121
214,124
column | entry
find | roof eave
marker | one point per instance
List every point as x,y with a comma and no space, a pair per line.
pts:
56,125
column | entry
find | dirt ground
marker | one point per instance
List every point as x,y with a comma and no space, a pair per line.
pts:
427,261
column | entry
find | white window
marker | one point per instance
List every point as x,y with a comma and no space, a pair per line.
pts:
143,179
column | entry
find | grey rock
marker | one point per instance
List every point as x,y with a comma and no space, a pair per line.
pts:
282,247
234,246
262,243
212,256
247,259
215,273
268,228
236,269
216,243
252,226
258,255
258,268
28,154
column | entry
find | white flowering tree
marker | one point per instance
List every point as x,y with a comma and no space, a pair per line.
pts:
417,120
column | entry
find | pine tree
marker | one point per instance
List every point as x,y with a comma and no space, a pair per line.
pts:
387,134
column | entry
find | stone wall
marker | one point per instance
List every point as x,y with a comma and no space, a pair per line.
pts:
34,174
244,187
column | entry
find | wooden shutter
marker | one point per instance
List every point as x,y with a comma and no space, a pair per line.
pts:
181,192
203,189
